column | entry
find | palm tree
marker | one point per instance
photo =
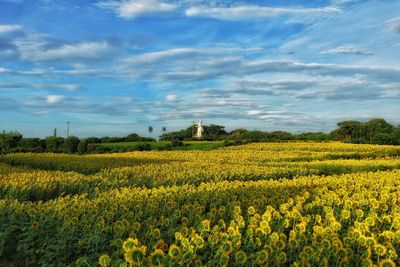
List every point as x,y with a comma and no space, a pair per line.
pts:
164,129
150,129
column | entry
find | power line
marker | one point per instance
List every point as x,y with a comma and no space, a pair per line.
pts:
68,123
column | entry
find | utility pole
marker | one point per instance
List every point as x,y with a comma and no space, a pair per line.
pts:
68,123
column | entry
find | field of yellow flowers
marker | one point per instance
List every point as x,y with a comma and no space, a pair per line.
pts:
262,204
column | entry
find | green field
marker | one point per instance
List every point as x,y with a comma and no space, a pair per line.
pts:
259,204
188,145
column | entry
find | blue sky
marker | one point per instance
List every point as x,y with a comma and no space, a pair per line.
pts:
113,67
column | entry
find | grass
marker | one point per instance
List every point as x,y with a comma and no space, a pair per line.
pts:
188,145
154,145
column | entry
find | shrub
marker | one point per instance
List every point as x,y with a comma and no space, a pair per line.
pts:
71,144
83,146
176,143
54,144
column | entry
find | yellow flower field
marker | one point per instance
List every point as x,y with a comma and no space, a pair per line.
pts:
262,204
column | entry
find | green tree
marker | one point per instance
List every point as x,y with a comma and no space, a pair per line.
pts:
214,131
83,146
376,129
346,130
396,136
150,129
31,145
54,144
9,140
71,144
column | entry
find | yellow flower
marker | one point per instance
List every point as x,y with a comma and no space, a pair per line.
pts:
104,260
359,213
130,243
136,256
251,210
261,257
380,249
157,258
387,263
174,251
227,247
282,258
223,260
240,257
205,224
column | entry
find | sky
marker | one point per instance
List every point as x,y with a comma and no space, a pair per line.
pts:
114,67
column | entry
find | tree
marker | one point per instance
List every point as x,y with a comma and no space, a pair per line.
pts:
396,136
136,138
55,132
31,145
9,140
83,146
71,144
54,144
150,129
93,140
378,126
214,131
346,130
184,134
164,129
375,131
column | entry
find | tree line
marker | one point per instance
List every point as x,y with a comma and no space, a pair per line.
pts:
375,131
11,142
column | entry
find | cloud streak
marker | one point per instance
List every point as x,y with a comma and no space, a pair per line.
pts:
254,12
347,49
130,9
9,28
393,24
37,52
45,86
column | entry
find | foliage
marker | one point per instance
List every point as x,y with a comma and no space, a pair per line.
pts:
54,144
71,144
258,204
83,146
176,143
9,140
129,138
185,134
375,131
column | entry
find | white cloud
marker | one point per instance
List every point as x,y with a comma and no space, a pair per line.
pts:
184,53
70,87
394,24
254,112
55,99
9,28
253,12
4,70
61,86
171,98
347,49
34,51
130,9
340,2
160,55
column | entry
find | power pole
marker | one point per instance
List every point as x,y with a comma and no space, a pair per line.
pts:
68,123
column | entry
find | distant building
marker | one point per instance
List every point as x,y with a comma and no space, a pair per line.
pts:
200,129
